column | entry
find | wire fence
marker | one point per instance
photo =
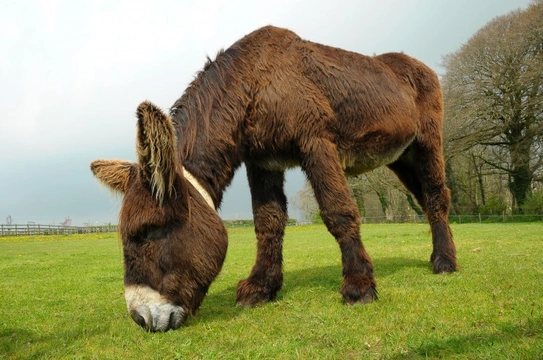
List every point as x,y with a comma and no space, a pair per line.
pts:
459,219
495,218
403,218
38,229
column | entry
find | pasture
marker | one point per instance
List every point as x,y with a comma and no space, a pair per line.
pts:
62,297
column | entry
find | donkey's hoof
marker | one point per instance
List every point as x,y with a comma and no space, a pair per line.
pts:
250,295
443,265
354,293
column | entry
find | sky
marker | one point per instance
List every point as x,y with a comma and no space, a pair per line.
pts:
73,72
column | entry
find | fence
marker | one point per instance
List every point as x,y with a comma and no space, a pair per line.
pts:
459,219
37,229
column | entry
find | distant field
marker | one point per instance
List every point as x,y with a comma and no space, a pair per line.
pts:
62,297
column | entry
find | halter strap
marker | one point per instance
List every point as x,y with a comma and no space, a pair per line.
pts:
199,187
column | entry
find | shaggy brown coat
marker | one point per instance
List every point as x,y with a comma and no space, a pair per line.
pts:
273,101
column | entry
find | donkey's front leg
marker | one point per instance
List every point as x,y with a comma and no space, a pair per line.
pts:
340,214
270,217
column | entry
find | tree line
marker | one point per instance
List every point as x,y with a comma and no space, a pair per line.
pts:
493,132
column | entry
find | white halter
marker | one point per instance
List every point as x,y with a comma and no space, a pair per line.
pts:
199,187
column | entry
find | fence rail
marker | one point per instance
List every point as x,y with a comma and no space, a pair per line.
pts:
477,218
37,229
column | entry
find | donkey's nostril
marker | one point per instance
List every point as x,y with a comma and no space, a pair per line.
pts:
177,318
142,317
139,320
172,321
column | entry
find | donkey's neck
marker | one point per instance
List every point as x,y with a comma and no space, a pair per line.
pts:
213,172
210,148
205,194
209,121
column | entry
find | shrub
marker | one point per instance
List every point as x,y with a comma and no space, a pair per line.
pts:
534,204
494,206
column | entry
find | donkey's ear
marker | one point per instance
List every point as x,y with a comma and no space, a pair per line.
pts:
156,148
112,173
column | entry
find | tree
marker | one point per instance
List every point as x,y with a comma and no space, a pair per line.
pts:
378,194
305,202
493,90
358,192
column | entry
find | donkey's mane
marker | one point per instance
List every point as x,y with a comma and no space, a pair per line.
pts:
193,112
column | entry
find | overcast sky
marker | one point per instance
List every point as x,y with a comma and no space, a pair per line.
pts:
73,72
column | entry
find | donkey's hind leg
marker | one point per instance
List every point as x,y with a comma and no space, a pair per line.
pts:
340,214
421,169
270,217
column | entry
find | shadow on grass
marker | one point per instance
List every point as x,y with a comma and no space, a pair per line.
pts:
19,343
508,333
220,306
389,266
12,340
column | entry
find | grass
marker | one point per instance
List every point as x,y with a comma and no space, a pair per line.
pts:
62,297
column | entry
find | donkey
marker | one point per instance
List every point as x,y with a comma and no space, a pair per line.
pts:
272,101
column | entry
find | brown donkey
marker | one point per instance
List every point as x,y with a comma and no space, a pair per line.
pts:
272,101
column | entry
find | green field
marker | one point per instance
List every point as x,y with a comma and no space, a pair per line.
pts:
62,297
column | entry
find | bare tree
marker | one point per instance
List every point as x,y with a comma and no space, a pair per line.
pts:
493,90
305,202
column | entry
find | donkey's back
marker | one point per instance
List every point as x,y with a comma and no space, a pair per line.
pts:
371,108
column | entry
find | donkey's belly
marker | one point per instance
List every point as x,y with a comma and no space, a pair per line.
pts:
277,164
364,159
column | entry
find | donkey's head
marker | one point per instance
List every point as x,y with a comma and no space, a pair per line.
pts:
174,243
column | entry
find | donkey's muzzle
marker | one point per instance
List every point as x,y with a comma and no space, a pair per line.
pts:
167,319
152,311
